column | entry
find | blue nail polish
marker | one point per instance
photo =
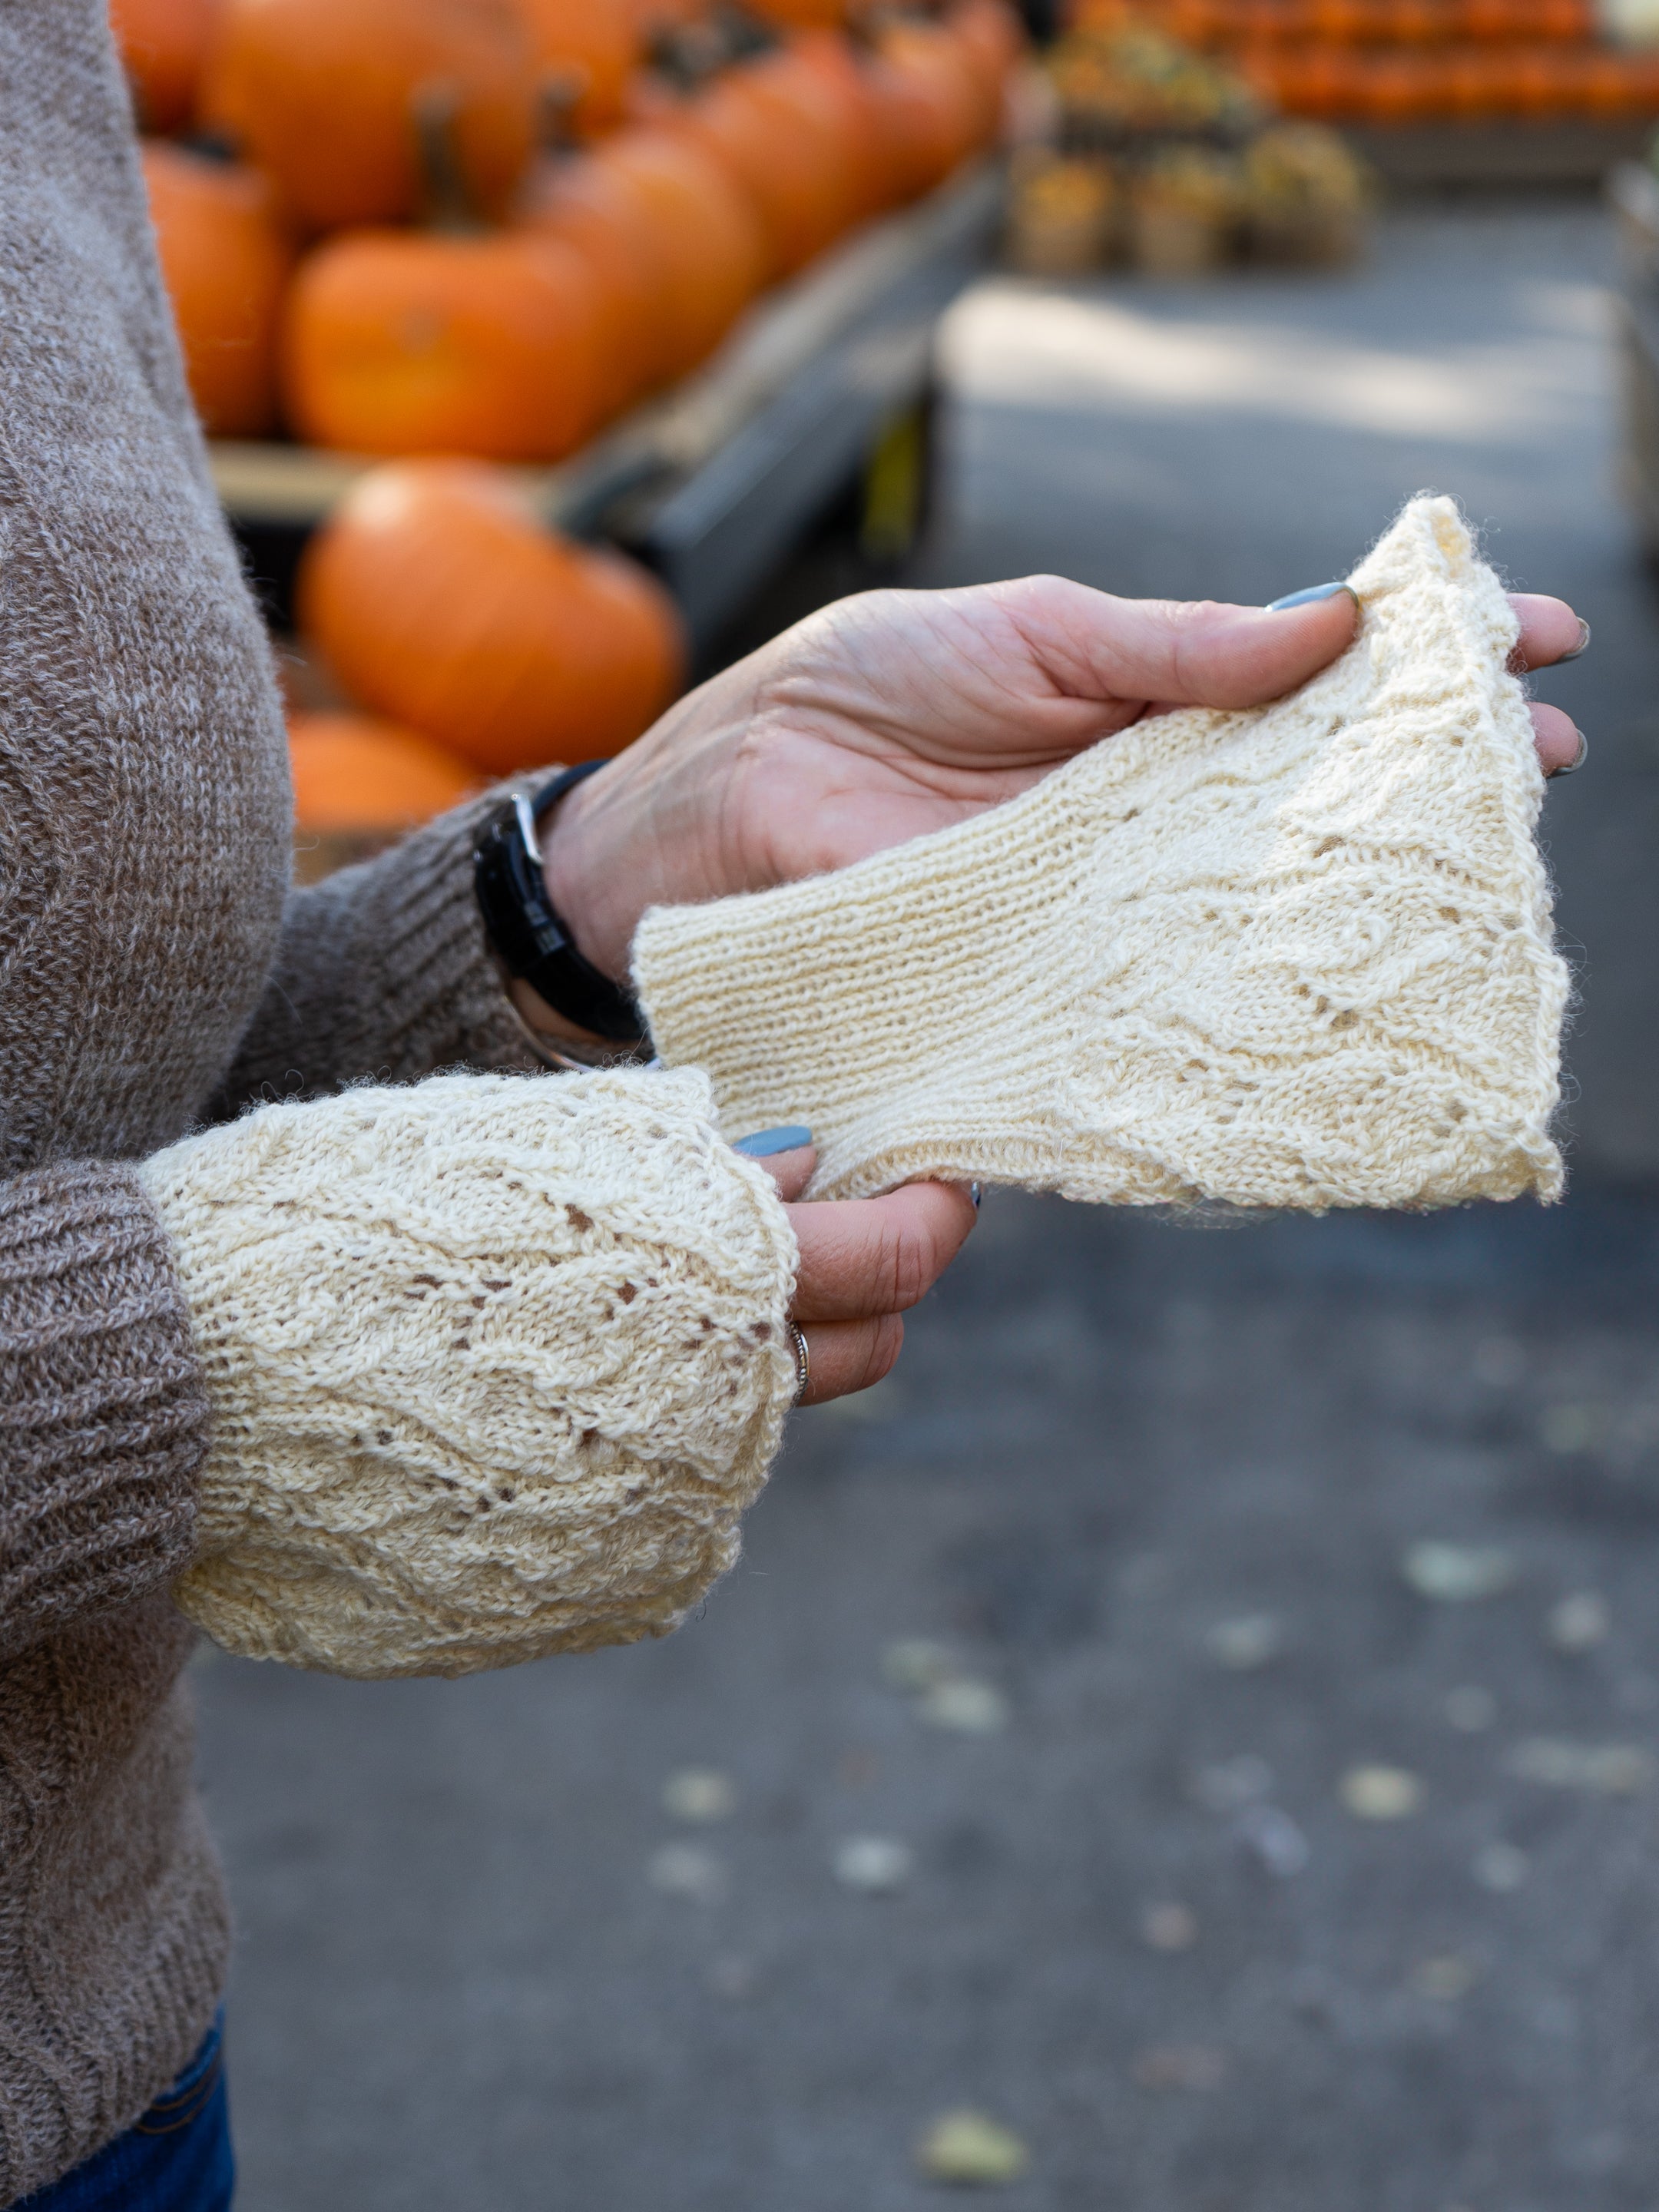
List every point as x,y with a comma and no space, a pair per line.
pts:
976,1195
765,1142
1315,592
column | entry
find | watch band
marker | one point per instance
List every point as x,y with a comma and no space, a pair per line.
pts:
526,928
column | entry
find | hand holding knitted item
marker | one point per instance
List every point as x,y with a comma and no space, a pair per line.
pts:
1296,955
496,1363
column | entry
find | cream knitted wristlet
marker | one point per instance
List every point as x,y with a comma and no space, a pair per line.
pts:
1296,956
495,1361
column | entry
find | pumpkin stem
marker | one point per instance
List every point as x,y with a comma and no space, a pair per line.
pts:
686,55
558,95
743,33
447,202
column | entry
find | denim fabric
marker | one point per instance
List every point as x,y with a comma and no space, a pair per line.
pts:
176,2159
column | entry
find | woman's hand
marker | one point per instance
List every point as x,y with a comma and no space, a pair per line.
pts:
896,713
864,1261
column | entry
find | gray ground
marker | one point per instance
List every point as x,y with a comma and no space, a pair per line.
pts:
1149,1489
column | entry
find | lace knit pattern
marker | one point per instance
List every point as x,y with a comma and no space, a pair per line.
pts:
496,1363
1297,956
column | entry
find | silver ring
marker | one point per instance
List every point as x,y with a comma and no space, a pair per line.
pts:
803,1363
1578,760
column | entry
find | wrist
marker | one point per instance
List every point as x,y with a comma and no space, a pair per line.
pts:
556,989
576,868
654,826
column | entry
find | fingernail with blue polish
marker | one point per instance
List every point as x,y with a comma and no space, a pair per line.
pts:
1307,599
764,1142
976,1195
1578,760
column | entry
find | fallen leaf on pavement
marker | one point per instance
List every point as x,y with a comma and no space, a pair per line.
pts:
687,1870
971,1707
1381,1793
972,2150
1446,1977
699,1793
916,1664
1580,1622
1457,1574
1168,1927
873,1864
1226,1783
1250,1642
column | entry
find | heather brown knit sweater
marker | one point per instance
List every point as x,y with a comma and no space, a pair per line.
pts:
153,970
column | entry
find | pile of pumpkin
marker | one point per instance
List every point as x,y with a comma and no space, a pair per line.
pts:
486,227
1392,62
480,230
1163,158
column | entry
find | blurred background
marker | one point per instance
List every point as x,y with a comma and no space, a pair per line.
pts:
1187,1742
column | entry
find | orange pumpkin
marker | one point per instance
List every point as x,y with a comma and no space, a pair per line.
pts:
163,44
356,776
225,260
685,224
933,109
784,143
425,342
437,598
991,37
321,94
803,14
624,262
602,39
840,78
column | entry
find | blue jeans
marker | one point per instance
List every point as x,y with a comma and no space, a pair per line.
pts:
176,2159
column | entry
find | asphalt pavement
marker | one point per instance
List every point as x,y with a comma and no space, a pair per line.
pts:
1202,1714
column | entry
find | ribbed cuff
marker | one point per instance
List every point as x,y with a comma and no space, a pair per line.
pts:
442,1000
103,1414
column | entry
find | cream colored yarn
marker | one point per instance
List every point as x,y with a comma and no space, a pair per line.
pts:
497,1362
1298,956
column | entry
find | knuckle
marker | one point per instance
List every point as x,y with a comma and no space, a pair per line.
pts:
905,1272
882,1349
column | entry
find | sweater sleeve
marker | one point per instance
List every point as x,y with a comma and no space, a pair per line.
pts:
103,1411
384,972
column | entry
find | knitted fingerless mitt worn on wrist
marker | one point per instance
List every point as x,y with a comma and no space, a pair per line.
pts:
496,1363
1295,955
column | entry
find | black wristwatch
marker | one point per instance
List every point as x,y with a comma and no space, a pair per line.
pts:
526,929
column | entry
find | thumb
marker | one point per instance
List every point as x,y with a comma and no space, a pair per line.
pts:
1179,652
788,1156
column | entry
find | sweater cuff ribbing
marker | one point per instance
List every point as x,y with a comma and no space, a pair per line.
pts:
103,1414
384,975
443,998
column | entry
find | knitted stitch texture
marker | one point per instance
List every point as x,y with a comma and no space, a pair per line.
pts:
1295,955
496,1363
145,823
102,1410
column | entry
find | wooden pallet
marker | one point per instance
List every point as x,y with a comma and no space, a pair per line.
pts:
1419,157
